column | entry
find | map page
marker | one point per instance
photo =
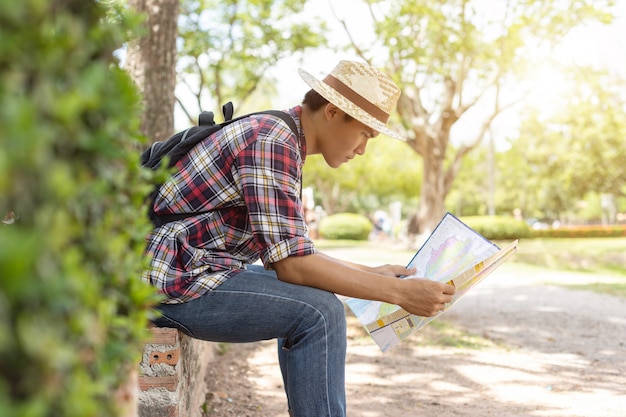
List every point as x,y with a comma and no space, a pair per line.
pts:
455,254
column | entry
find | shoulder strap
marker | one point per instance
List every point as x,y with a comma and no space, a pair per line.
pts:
286,117
207,119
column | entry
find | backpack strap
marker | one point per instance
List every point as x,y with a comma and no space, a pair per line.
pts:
285,117
228,110
206,119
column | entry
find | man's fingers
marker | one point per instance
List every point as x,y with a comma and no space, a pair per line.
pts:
449,289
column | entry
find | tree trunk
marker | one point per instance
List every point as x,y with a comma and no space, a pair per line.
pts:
433,194
151,63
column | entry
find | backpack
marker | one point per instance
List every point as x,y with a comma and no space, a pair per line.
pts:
180,143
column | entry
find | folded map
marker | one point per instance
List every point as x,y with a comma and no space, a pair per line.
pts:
455,254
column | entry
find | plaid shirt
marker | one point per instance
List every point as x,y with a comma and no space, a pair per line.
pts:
246,180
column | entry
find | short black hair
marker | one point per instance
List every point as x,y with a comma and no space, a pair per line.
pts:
315,101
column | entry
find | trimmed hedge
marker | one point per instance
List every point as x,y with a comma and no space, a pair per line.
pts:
73,311
498,227
583,231
348,226
507,228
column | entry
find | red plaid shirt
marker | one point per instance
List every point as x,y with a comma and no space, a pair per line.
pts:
247,179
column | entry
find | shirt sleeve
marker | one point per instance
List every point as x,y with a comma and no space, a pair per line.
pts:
270,174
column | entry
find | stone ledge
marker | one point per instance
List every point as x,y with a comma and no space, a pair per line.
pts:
171,374
170,383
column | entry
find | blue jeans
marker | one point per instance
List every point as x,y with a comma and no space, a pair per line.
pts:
309,323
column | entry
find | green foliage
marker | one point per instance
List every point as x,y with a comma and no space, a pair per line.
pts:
462,61
227,47
498,227
73,311
583,231
386,173
347,226
565,157
469,193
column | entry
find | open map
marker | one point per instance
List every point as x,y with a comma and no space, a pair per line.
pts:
453,253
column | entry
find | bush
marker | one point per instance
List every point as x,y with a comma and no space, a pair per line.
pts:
582,231
73,311
347,226
498,227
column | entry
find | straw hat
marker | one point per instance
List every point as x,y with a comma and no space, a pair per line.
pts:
361,91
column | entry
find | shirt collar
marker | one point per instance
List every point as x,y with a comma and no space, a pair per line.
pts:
296,113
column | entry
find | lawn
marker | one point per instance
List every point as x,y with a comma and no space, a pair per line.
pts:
596,255
605,256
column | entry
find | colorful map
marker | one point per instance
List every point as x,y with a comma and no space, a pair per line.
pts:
453,253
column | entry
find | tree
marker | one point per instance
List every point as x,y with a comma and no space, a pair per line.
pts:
561,158
593,127
454,57
532,171
73,311
228,46
383,175
469,193
151,62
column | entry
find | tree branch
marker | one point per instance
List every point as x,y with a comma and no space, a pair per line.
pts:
182,106
453,168
343,23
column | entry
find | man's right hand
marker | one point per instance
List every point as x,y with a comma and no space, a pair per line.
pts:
424,297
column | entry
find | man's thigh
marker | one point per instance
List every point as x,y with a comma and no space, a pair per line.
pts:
252,305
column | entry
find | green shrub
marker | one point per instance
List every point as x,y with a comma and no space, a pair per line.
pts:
347,226
73,311
498,227
588,231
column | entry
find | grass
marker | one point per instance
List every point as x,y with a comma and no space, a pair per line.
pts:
439,333
443,333
595,256
600,256
618,290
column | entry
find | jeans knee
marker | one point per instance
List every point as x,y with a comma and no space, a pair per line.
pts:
334,312
339,309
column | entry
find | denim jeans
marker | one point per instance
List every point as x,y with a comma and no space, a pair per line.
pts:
309,323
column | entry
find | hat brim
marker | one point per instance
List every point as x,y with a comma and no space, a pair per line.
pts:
336,98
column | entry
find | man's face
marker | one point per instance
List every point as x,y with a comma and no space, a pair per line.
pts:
344,139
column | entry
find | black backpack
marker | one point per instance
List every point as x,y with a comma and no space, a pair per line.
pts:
178,145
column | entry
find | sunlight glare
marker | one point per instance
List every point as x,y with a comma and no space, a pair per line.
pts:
550,89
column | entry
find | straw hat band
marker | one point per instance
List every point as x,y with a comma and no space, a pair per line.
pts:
361,91
357,99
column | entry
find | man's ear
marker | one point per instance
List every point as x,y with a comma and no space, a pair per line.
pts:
331,111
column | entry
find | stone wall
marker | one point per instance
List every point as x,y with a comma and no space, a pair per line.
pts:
172,375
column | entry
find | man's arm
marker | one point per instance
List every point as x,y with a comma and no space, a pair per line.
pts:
388,269
422,297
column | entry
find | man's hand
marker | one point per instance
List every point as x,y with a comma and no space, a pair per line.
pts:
419,296
424,297
393,270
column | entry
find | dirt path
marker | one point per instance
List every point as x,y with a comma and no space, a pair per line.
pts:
543,350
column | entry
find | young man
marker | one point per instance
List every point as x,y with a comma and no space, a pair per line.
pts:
246,180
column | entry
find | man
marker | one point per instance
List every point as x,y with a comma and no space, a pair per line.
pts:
246,181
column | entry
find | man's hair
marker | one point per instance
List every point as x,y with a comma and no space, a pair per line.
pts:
314,101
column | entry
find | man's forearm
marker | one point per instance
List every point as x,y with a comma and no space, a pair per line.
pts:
338,276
